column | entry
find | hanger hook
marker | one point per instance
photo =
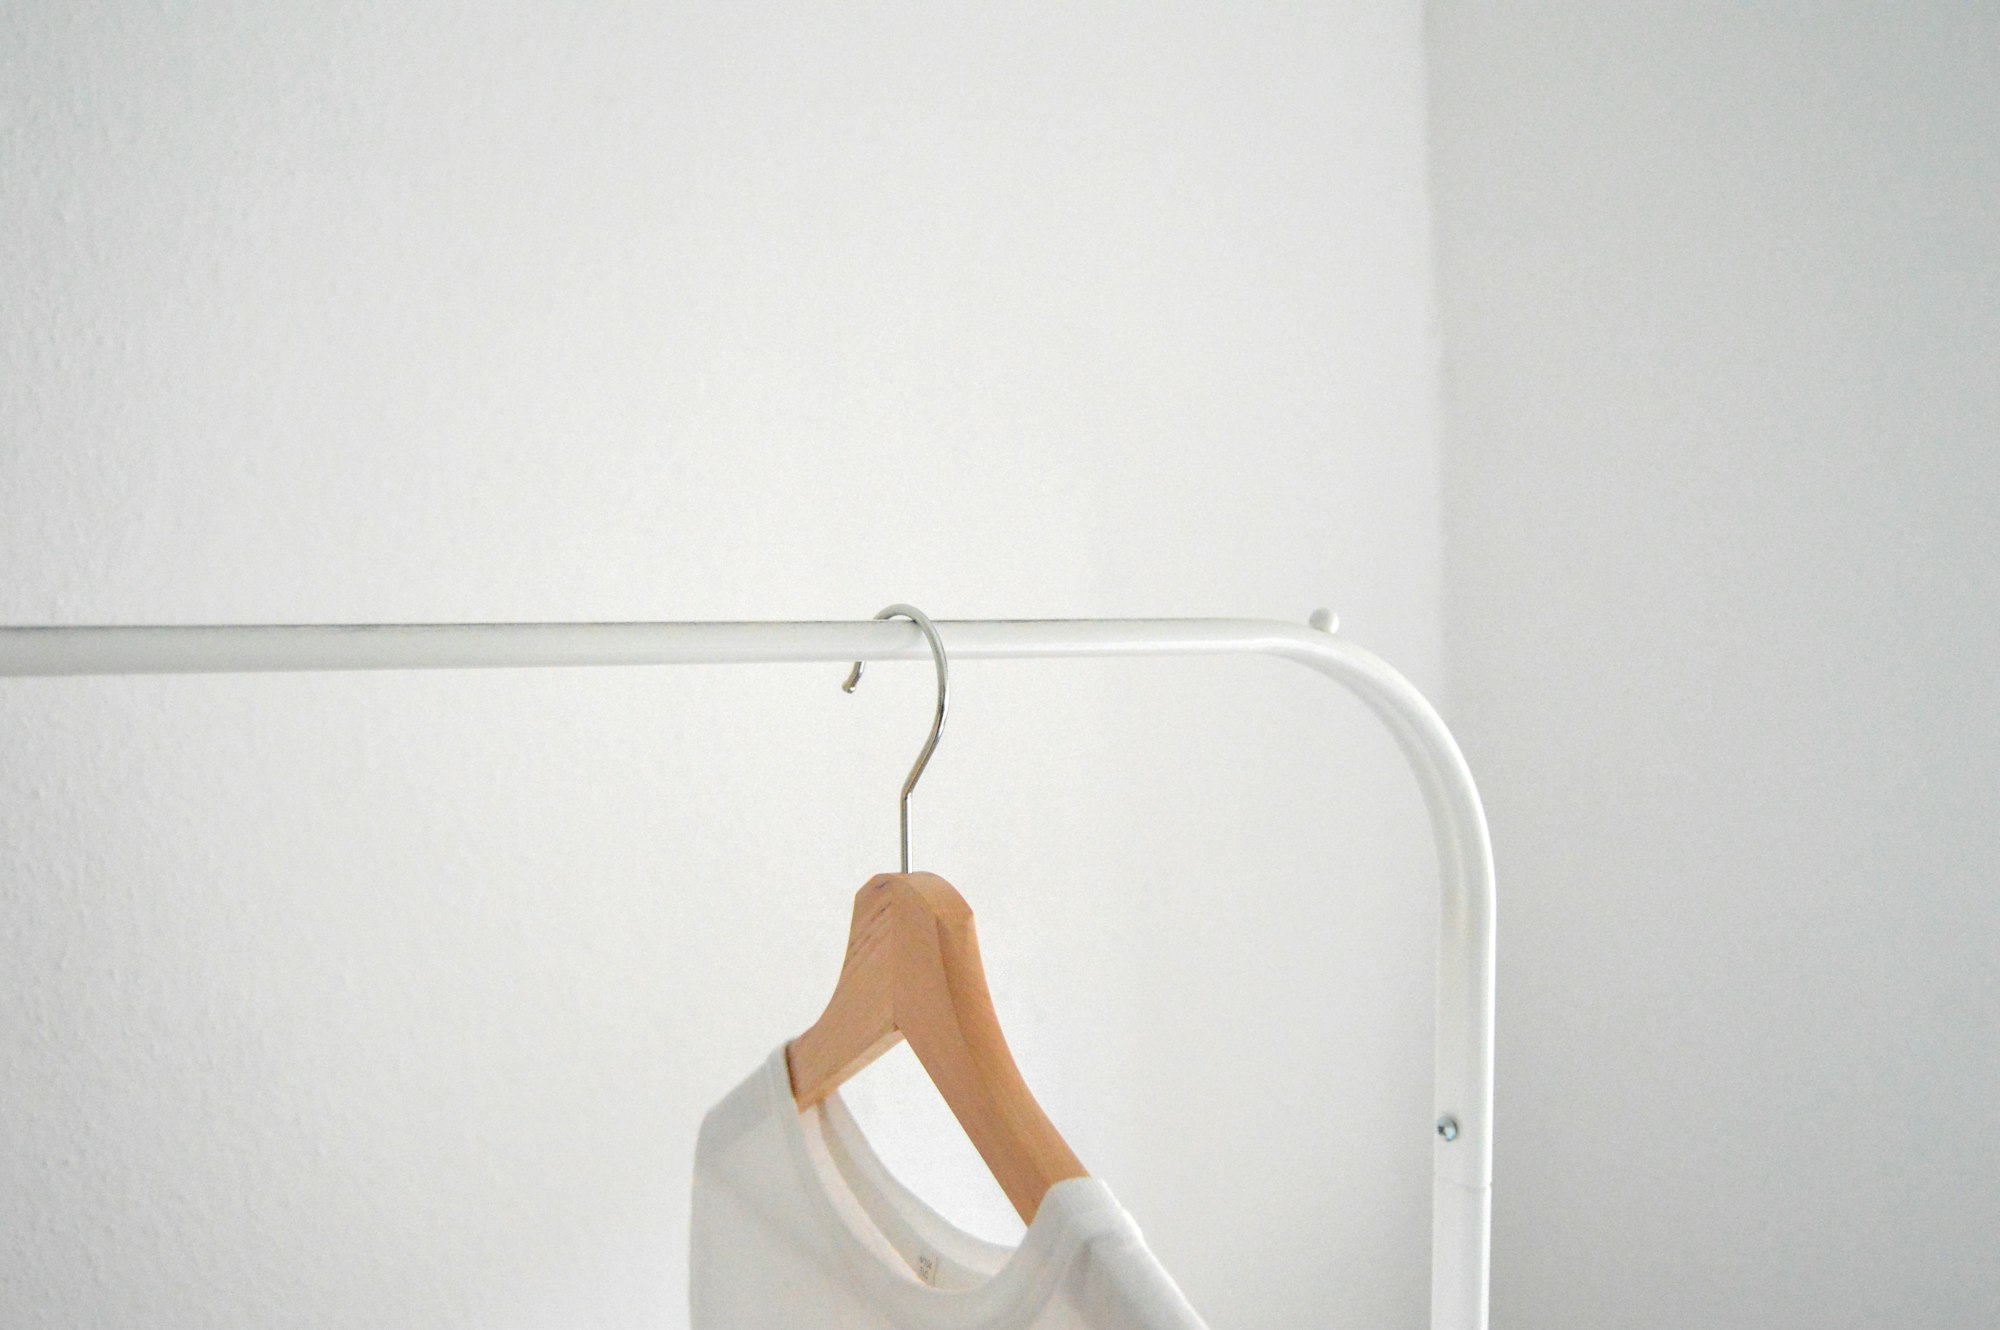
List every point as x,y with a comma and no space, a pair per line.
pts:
922,621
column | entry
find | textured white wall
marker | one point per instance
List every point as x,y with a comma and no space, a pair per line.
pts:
394,1000
1721,308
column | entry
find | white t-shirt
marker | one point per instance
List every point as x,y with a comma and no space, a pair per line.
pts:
798,1226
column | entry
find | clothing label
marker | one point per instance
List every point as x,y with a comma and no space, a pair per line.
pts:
927,1267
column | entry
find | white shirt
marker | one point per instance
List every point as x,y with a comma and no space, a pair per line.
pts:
798,1226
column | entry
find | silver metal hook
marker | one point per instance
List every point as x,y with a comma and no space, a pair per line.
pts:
922,621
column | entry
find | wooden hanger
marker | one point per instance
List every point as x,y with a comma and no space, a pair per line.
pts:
912,971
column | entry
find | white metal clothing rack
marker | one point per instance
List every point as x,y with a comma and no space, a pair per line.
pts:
1463,1148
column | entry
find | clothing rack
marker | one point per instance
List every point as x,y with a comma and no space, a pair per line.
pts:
1462,1158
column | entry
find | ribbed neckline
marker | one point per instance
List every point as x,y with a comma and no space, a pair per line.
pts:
842,1175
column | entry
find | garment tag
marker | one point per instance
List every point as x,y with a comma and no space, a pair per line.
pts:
927,1267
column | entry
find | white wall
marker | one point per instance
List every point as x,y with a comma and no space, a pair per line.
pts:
394,1000
1721,309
